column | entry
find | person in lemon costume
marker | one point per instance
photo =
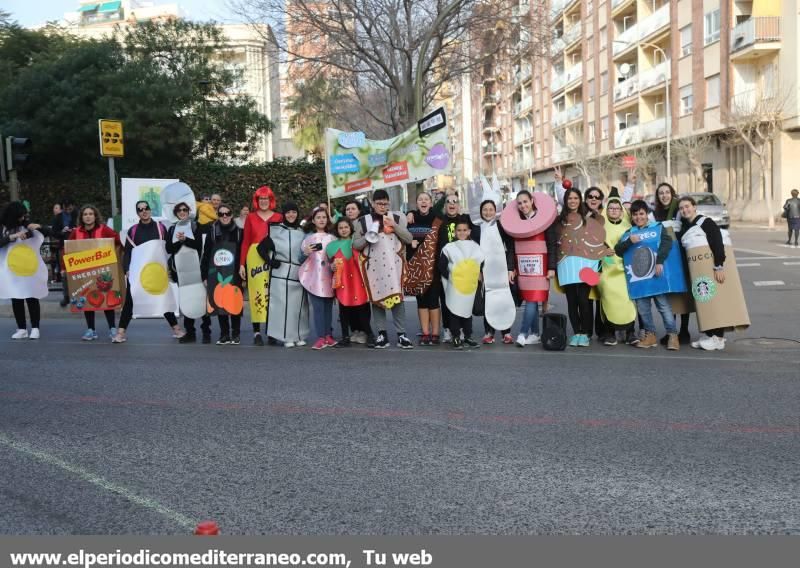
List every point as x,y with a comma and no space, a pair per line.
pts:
619,311
145,264
460,266
23,274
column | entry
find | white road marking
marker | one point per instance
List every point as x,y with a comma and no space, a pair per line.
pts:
767,254
97,481
763,257
791,263
747,265
769,283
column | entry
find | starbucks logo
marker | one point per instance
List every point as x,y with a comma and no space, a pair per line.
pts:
704,289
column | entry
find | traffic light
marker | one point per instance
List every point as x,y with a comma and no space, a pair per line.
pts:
18,150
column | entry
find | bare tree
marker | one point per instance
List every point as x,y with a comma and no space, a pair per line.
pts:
584,160
755,118
647,160
403,49
692,149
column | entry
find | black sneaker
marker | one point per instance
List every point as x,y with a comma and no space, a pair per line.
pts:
271,341
684,338
611,340
258,340
206,338
382,342
632,338
458,344
403,342
235,340
435,340
469,342
425,341
188,338
344,342
371,341
664,340
224,340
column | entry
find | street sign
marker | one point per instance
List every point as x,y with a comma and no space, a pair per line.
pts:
629,162
111,141
531,183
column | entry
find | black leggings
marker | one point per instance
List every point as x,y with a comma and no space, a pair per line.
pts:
127,312
354,318
226,322
110,318
579,307
18,307
459,324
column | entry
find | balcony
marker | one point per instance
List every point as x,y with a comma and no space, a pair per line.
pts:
558,81
573,74
572,34
522,9
653,130
627,136
617,3
522,136
562,154
492,150
756,37
523,106
523,164
490,127
655,76
559,118
575,112
557,7
557,46
626,88
522,75
654,22
626,40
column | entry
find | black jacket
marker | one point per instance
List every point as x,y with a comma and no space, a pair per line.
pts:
138,234
217,233
508,242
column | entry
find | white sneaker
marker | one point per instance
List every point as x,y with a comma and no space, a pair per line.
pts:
447,337
34,333
712,343
521,340
532,339
20,334
696,344
301,343
359,337
289,344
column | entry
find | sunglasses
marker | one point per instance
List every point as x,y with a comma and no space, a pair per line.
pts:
381,204
452,201
593,197
183,210
142,209
225,213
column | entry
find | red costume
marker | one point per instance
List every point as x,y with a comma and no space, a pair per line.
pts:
99,232
348,284
256,228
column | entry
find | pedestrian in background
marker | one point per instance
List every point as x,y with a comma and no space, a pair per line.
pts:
62,225
791,210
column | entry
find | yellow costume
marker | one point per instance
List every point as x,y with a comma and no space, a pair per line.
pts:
618,308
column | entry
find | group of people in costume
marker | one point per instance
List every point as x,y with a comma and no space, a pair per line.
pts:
611,263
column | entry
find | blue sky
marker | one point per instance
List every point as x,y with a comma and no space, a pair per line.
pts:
29,13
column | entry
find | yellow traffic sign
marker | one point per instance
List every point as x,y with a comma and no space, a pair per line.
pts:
111,141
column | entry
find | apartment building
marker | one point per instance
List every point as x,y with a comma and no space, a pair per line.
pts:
246,50
625,75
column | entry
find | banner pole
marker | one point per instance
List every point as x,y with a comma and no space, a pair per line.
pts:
112,183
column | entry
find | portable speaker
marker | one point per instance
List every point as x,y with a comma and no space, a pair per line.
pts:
554,332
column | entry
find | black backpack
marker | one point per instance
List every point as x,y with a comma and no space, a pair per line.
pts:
554,332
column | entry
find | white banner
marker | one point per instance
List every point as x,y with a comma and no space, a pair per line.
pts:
137,189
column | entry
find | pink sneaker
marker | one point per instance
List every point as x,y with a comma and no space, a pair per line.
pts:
319,344
330,341
508,339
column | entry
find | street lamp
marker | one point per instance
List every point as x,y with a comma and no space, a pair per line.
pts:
204,85
667,76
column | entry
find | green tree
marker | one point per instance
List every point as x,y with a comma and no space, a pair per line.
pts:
313,110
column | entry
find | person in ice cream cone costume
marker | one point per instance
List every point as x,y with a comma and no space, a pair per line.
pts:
619,311
254,270
460,266
23,274
381,237
714,279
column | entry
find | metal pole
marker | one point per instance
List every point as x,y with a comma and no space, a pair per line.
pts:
13,185
112,184
667,112
205,126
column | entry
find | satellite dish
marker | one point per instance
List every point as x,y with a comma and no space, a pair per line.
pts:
625,68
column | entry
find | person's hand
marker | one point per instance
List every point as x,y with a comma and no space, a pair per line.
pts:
659,270
410,218
635,239
414,243
719,276
205,283
557,173
21,236
551,274
242,273
510,276
126,275
388,221
181,236
308,249
37,226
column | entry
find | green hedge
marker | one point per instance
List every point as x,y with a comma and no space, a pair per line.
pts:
296,180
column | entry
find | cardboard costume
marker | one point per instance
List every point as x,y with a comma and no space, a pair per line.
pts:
464,259
348,284
718,305
581,246
224,285
95,279
618,308
288,306
499,308
382,262
640,265
150,290
530,246
420,268
315,274
23,273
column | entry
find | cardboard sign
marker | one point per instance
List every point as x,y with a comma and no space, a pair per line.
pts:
433,122
95,278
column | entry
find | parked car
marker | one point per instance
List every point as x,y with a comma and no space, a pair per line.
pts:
710,206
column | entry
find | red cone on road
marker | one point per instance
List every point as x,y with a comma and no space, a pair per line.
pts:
207,528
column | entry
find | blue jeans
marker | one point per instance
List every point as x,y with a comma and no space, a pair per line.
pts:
322,309
530,319
663,307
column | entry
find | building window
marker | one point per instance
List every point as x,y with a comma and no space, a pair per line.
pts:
712,91
537,117
590,89
686,40
589,46
538,149
604,128
603,83
589,7
687,100
603,38
591,133
711,27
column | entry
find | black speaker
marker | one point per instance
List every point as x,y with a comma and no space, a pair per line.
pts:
554,332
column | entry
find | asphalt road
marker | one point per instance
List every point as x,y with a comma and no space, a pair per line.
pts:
151,437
